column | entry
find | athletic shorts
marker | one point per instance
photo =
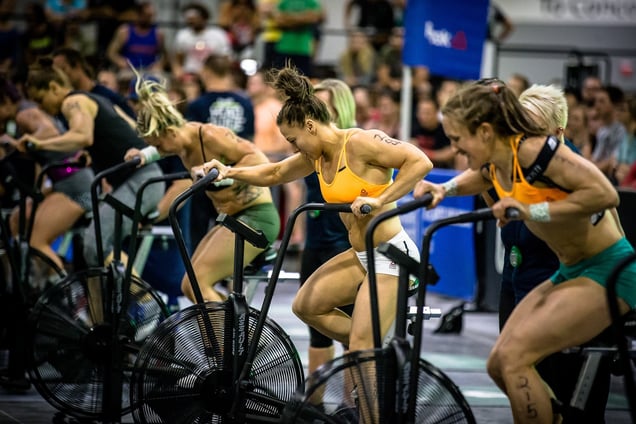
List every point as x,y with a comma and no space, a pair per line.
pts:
599,268
262,217
384,265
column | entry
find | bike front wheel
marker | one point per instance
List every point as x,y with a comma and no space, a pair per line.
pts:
181,376
359,387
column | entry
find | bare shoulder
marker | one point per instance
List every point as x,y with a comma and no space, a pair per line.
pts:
372,137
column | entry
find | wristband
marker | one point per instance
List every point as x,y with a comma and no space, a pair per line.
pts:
540,212
450,187
150,154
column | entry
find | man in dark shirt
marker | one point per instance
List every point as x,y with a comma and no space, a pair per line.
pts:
221,104
79,73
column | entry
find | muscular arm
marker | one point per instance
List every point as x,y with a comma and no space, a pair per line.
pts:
112,52
80,113
381,151
591,191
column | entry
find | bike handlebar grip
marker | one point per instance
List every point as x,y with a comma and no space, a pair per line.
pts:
203,180
365,209
30,146
512,213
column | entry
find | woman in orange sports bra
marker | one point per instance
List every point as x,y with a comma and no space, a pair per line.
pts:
354,166
485,122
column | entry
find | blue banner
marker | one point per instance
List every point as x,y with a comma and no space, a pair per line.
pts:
453,247
446,36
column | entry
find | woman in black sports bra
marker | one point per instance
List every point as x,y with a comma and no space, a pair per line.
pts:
168,133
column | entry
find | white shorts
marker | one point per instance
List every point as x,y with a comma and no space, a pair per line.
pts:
384,265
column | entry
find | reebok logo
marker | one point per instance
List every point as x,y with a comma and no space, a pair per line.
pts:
443,38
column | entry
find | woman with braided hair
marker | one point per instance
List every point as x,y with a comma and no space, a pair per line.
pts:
354,166
565,201
166,131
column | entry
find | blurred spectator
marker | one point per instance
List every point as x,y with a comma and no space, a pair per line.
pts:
366,113
630,178
270,141
108,15
39,35
627,152
428,134
108,78
297,20
611,134
577,130
572,96
518,83
267,136
192,86
197,41
388,119
270,34
80,75
9,39
74,37
64,13
241,21
498,29
499,25
389,71
356,64
447,88
178,96
141,43
590,86
376,16
221,105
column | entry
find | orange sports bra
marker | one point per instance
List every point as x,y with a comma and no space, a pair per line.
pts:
522,190
346,185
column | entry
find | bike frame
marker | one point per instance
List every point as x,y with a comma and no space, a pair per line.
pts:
408,356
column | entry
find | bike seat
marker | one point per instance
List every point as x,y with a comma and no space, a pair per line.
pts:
148,219
84,221
266,257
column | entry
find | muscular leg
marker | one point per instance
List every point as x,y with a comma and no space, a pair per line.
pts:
549,319
213,260
361,325
54,216
332,285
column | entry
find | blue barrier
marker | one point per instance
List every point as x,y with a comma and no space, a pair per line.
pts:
453,247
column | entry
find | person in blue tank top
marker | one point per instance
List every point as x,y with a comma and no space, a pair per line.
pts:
105,132
141,43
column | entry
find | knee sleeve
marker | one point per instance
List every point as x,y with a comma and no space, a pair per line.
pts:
318,340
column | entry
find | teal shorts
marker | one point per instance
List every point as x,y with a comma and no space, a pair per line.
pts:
262,217
599,268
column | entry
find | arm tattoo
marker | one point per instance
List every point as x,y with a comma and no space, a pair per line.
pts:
73,105
387,139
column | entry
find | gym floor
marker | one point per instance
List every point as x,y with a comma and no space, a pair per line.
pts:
461,356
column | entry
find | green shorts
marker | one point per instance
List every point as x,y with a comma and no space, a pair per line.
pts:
599,268
262,217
